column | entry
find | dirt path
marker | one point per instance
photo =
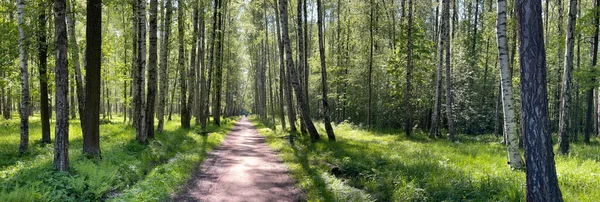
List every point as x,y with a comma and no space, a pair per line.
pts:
244,168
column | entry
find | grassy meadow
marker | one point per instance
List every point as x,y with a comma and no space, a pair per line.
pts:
385,165
127,171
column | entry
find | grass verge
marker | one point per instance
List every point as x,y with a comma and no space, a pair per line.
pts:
127,171
385,165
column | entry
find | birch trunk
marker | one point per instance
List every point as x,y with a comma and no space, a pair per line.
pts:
24,108
510,125
164,65
283,76
140,72
565,102
449,99
185,114
326,118
152,56
61,144
294,74
435,117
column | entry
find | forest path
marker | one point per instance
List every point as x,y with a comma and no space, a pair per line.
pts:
244,168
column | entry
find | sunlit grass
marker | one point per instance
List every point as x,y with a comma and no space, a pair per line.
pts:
127,171
385,165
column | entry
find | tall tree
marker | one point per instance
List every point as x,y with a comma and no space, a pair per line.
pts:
61,69
24,110
219,64
284,75
510,125
407,113
294,74
201,57
164,65
93,59
185,113
326,118
370,73
560,56
565,102
138,98
542,182
435,117
74,51
590,101
449,98
43,77
193,65
152,56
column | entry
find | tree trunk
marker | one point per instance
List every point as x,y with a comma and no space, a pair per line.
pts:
61,78
193,65
326,118
171,103
407,108
42,66
164,71
74,51
510,125
435,117
211,64
370,74
201,72
219,65
588,127
542,182
185,114
24,111
565,102
449,98
91,134
283,78
140,72
557,99
294,74
152,63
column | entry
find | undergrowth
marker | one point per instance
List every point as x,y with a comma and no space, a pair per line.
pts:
128,171
385,165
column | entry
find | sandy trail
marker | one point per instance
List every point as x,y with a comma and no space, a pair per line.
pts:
244,168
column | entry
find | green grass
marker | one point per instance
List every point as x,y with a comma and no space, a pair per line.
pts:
385,165
127,171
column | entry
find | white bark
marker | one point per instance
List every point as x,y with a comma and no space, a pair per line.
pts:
24,113
514,157
565,102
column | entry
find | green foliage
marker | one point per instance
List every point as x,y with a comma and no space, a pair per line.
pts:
127,171
385,165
